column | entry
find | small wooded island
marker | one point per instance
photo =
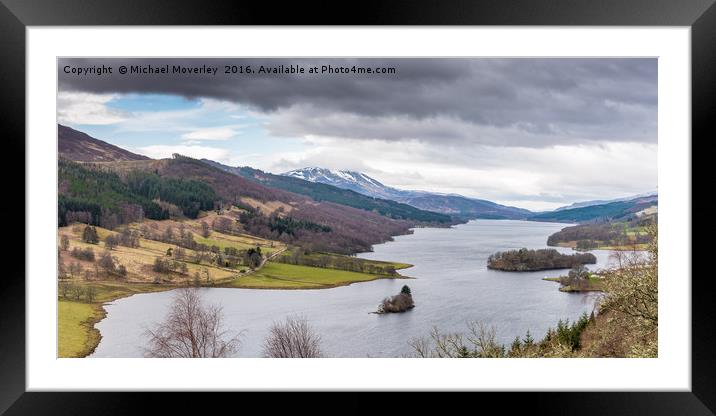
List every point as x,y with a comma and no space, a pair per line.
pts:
524,260
401,302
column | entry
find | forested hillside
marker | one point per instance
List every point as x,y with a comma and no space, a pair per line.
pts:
190,196
351,229
627,234
100,197
599,213
114,193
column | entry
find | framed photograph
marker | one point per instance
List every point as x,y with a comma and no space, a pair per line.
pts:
464,197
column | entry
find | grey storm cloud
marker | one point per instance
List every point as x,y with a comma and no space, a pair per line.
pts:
532,102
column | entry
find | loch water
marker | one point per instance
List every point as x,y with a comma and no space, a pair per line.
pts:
452,286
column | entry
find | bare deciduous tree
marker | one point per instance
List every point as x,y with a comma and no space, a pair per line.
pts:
480,342
75,269
90,294
111,242
107,262
64,290
223,225
191,330
205,230
64,242
293,338
77,291
179,253
631,305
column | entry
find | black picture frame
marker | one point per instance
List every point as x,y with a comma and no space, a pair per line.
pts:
16,15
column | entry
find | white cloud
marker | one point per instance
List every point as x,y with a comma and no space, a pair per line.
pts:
199,152
533,178
87,108
211,133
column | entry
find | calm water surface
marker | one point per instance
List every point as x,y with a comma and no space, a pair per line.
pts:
452,286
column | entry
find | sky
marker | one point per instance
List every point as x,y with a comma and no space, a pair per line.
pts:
533,133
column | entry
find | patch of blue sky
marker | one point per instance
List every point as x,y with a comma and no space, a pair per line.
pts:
156,119
152,102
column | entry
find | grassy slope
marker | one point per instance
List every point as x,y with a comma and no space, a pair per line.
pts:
138,261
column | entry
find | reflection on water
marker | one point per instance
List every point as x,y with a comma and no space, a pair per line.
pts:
452,286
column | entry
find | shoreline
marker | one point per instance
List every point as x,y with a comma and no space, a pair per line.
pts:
594,285
94,341
94,335
101,312
573,246
326,286
78,318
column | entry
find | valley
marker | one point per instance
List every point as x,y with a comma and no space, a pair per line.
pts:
129,225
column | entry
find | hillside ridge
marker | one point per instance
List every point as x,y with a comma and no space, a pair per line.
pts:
81,147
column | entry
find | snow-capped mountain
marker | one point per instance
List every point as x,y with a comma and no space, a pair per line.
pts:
447,204
347,179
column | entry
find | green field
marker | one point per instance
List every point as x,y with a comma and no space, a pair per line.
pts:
76,336
288,276
396,265
298,257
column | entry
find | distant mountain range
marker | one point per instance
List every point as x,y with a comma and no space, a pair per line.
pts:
610,211
602,201
346,179
352,189
78,146
330,193
455,205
